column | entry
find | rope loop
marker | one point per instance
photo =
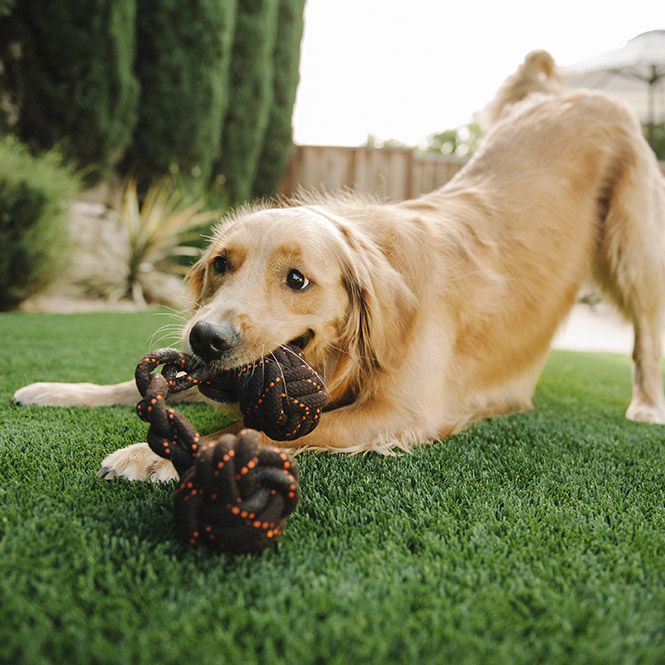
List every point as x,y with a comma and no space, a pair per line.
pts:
234,493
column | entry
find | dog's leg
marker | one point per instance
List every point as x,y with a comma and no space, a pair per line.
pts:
630,266
91,394
648,402
137,462
371,427
348,430
77,394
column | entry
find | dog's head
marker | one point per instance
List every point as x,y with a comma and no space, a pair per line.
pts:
298,276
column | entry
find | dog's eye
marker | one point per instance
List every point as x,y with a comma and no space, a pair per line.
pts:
296,280
220,264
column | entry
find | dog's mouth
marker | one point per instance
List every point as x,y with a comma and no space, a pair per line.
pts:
226,364
302,341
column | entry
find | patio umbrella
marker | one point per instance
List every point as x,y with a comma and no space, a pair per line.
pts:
635,72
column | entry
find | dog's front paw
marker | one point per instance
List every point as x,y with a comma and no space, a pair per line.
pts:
646,413
137,462
44,394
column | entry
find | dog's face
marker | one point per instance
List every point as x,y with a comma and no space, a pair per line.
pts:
269,278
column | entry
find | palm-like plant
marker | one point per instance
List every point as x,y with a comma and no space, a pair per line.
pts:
159,230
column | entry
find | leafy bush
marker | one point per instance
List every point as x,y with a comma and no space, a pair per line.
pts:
460,142
67,73
251,95
286,61
656,138
182,62
34,193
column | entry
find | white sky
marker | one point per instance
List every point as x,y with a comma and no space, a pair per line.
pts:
404,69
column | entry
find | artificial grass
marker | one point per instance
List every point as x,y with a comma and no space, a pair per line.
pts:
537,538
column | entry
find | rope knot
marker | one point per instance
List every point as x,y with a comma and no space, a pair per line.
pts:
234,494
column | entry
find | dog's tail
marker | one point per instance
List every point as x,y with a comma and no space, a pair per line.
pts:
537,74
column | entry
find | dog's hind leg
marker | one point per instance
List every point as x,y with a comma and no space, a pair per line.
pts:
631,268
647,404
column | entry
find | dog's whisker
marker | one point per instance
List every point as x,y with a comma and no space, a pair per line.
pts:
302,358
281,371
170,332
251,374
263,366
173,312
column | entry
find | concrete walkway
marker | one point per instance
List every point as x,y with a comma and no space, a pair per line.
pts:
595,328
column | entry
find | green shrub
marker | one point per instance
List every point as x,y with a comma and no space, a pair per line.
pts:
286,61
251,95
6,7
34,193
656,138
67,72
183,55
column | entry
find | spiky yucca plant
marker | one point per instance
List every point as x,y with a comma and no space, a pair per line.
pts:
160,230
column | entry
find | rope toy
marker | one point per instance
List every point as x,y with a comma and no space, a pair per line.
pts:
234,494
279,394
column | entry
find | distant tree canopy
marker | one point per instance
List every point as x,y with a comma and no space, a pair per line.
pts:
464,141
182,63
201,89
459,142
246,119
286,61
67,75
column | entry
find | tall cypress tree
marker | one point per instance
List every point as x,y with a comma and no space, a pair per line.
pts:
286,61
183,55
251,96
67,71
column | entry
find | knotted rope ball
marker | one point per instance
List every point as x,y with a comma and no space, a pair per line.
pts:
234,493
279,394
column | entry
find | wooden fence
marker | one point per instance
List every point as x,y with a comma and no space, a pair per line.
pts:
391,174
387,173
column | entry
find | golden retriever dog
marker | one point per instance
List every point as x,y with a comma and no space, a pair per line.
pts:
426,315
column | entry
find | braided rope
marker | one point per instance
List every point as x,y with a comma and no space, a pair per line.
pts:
279,394
234,494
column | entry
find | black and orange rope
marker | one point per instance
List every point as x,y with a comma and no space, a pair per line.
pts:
279,394
234,493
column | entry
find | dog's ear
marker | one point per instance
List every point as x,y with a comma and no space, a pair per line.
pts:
382,308
195,278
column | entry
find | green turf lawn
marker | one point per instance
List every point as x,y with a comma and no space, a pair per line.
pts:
536,538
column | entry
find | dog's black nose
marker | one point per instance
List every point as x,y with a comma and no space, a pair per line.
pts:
210,341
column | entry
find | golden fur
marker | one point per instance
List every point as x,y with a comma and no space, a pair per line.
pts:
434,312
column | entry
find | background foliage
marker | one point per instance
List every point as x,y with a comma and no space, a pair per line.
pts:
286,60
68,80
182,62
34,197
155,87
252,94
658,141
459,142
